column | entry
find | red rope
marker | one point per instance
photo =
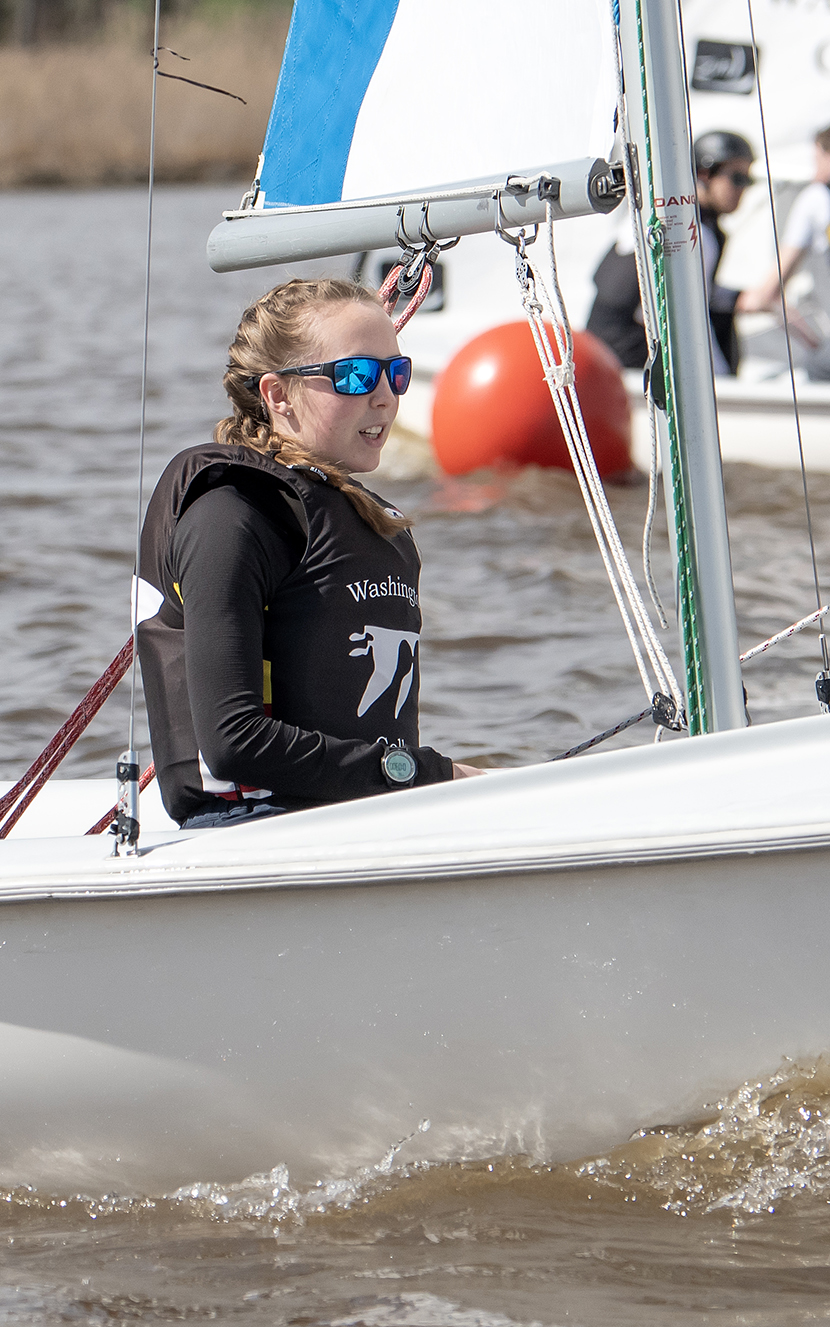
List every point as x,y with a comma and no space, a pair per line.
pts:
63,741
105,821
417,299
388,294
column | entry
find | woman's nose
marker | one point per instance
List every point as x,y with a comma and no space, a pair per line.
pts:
383,394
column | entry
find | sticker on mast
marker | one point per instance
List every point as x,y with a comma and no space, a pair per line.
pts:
679,229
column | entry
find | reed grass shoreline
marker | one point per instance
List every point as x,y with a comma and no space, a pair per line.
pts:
77,115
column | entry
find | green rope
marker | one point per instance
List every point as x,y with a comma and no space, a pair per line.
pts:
693,665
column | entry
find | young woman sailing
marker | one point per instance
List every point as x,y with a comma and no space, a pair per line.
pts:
281,662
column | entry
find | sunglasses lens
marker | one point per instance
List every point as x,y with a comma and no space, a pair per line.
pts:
400,373
356,376
740,181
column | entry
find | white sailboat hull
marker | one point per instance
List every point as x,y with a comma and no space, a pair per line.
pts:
521,960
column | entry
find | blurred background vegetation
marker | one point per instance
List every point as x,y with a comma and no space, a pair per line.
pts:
76,79
38,22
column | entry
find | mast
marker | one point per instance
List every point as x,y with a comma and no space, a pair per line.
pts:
656,102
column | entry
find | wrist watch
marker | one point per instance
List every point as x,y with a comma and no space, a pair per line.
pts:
399,767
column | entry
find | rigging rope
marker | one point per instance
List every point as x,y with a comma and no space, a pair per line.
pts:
788,339
558,370
603,737
686,590
106,820
63,741
785,634
67,735
632,193
126,826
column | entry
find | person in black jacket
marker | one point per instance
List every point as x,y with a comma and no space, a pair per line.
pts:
278,600
722,164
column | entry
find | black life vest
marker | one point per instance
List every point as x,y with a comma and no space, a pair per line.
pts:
616,317
722,320
340,637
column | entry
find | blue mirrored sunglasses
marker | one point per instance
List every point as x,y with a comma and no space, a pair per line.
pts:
359,374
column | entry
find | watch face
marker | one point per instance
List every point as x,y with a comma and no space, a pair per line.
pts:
400,766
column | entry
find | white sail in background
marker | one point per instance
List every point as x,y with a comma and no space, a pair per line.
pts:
793,38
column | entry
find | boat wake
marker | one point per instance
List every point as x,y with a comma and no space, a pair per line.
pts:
762,1146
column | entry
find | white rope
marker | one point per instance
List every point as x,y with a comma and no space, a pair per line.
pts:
142,429
649,319
648,524
540,340
558,369
654,648
785,635
788,339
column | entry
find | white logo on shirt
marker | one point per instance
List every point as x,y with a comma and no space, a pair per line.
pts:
385,647
396,589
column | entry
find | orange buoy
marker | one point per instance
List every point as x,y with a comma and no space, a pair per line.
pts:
492,405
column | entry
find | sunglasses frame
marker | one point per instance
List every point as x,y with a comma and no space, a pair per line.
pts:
327,370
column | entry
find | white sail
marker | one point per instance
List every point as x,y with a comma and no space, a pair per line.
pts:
455,92
389,96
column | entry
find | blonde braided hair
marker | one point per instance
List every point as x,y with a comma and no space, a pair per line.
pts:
273,333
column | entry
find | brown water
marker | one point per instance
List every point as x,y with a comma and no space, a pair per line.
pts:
722,1222
725,1221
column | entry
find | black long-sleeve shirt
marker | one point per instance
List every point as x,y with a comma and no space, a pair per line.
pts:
291,628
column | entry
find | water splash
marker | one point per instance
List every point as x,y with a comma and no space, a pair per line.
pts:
272,1196
420,1310
764,1144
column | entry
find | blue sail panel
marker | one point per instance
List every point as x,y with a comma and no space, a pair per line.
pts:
332,51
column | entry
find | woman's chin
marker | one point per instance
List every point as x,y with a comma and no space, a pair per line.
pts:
364,465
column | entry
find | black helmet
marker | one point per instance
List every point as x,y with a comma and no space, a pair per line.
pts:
718,146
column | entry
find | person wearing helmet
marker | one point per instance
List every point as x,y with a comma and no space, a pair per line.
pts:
722,162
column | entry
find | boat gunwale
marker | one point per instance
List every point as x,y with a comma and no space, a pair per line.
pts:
655,853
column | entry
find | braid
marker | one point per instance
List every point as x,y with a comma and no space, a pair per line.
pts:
272,333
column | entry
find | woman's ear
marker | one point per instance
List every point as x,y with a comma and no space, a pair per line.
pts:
272,391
